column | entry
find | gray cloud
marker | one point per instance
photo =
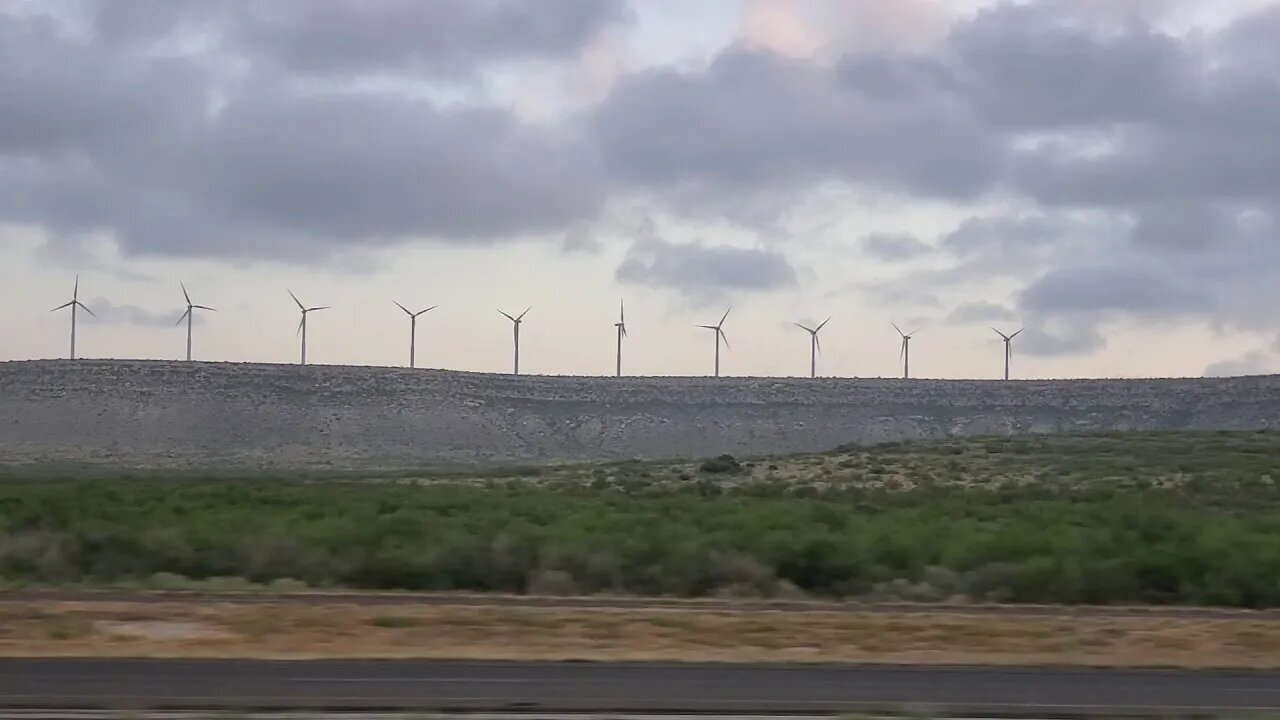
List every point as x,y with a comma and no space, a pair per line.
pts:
1187,226
1144,167
112,314
443,38
981,312
1049,64
1140,289
1057,339
753,120
273,168
704,271
439,38
894,246
1254,362
579,240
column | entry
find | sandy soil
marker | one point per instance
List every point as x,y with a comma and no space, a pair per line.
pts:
289,630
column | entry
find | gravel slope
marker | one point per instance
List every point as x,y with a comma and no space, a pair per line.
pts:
161,414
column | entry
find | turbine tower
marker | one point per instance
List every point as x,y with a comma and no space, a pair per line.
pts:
74,304
718,328
515,324
622,332
189,316
302,326
905,353
1008,348
815,346
413,329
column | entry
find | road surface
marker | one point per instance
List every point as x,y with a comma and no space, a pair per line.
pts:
419,685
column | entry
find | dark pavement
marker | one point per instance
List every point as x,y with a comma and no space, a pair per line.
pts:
421,685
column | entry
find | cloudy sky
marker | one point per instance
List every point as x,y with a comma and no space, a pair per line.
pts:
1104,172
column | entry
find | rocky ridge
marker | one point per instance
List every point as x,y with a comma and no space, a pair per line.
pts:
160,414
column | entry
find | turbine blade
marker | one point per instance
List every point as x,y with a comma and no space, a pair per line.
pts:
817,343
895,327
824,324
624,331
301,322
204,307
622,312
913,333
723,337
322,307
722,318
405,309
424,312
184,293
86,308
64,305
709,327
183,317
76,292
295,299
902,349
1006,337
507,316
804,328
526,312
1017,333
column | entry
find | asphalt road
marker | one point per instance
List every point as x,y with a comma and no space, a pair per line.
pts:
355,685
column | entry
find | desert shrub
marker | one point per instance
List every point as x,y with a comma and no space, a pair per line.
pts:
1190,543
721,464
552,582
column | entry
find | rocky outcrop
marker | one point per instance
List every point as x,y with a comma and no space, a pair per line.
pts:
147,413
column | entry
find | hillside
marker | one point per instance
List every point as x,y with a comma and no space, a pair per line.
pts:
167,414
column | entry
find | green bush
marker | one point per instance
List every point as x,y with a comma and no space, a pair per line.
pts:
722,464
1186,544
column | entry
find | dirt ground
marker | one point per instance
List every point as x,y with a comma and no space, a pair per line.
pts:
285,630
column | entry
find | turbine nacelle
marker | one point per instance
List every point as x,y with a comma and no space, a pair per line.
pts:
1008,338
719,327
813,331
622,319
412,314
75,301
518,318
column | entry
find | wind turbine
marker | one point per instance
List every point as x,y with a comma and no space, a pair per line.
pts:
515,323
1008,348
719,331
413,328
189,316
622,332
302,326
74,304
815,346
905,353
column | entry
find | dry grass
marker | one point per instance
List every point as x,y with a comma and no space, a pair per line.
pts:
284,630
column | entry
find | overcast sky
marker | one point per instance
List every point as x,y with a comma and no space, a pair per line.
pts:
1103,172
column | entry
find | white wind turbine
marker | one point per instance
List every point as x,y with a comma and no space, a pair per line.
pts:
74,304
905,353
302,326
515,323
621,325
189,316
413,329
1008,348
719,332
815,346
